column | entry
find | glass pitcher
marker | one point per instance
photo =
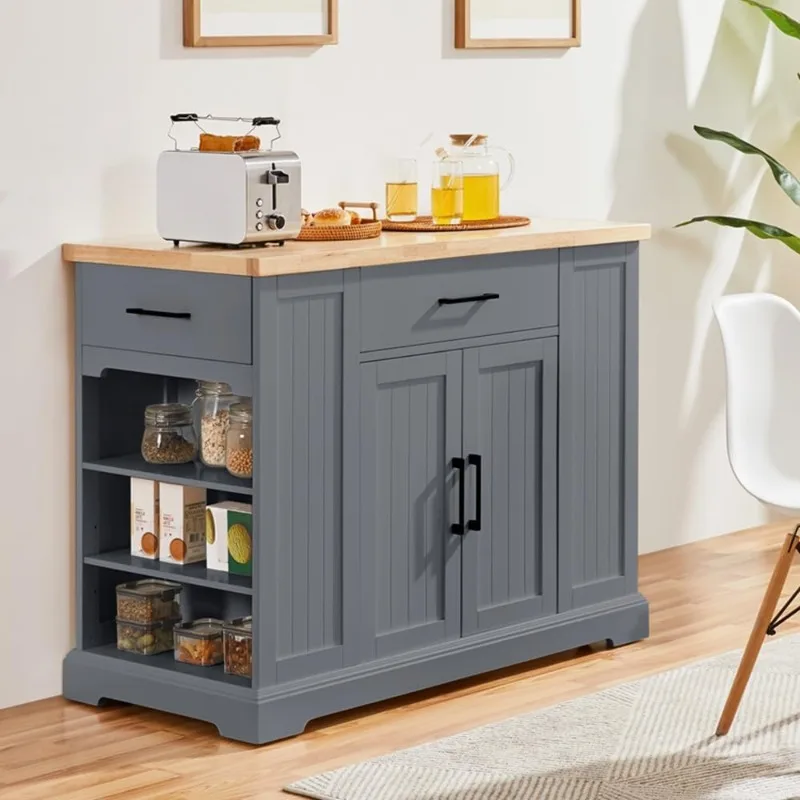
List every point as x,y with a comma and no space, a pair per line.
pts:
482,184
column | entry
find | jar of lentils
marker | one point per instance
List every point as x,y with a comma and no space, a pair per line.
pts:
212,408
169,436
239,451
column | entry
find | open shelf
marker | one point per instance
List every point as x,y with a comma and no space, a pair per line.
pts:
192,574
134,466
166,661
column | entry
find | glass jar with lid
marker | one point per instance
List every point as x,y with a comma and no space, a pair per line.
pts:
239,450
169,436
482,184
212,412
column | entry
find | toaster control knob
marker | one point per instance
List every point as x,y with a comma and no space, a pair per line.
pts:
276,221
259,202
259,214
259,226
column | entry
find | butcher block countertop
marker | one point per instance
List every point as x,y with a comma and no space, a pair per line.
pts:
391,248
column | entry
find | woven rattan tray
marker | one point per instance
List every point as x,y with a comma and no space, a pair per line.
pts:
364,229
425,224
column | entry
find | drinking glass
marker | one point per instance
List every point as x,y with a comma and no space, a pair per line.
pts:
447,192
401,190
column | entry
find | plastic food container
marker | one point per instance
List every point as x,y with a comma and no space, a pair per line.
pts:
149,600
238,635
148,639
199,642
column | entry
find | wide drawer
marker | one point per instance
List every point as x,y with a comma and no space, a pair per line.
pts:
163,311
436,301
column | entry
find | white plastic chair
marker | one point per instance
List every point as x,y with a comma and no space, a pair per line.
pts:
761,339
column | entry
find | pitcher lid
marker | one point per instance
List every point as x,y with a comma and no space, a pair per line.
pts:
460,139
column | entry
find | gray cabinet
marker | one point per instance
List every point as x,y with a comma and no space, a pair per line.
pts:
410,432
382,397
510,433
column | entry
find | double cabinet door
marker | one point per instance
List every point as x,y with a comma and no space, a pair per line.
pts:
458,460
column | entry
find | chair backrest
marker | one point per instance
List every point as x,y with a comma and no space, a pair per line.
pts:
761,338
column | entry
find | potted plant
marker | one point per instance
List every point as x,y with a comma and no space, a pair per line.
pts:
785,179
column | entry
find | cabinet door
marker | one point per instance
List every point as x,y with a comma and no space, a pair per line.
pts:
411,563
510,424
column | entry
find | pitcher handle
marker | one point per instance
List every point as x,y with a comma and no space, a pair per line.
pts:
512,166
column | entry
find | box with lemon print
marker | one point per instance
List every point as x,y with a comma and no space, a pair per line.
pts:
229,537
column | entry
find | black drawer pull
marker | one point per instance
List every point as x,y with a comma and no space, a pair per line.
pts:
477,462
458,527
146,312
478,298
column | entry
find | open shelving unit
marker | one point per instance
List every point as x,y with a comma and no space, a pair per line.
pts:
110,414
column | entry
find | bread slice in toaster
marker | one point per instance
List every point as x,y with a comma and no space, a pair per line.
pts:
211,143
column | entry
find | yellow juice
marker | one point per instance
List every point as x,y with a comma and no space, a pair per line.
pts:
447,202
481,197
401,201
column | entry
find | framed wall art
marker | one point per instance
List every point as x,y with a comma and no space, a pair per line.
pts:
517,23
259,23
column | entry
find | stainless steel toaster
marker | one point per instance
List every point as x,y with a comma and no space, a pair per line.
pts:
234,198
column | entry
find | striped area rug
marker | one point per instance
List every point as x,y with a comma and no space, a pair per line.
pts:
649,740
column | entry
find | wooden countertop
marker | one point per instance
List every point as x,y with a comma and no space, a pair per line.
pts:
391,248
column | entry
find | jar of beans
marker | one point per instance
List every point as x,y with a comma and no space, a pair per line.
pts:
169,436
238,647
212,411
239,450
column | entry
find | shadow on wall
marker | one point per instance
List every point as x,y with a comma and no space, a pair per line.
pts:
665,173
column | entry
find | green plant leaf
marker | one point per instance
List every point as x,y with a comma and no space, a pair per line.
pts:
783,22
760,229
786,180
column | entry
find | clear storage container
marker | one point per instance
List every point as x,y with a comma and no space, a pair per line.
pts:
169,436
238,636
239,454
146,639
212,412
199,642
149,600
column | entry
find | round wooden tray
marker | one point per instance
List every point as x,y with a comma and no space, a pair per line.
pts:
425,224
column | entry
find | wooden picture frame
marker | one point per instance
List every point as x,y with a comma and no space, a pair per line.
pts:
193,37
466,41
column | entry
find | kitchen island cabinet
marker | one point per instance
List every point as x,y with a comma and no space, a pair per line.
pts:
445,465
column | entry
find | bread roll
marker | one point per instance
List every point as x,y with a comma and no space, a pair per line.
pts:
210,143
355,219
331,218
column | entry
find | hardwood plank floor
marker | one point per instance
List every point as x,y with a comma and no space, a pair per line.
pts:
703,597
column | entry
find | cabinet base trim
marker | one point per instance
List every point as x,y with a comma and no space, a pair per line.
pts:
258,717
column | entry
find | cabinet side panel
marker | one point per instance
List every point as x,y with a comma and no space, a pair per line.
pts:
597,332
309,501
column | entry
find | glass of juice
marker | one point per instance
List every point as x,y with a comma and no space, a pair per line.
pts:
401,190
447,192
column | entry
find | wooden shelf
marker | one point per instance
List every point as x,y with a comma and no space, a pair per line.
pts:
192,574
167,662
134,466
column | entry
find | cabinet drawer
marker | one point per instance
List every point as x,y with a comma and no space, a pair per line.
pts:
402,305
163,311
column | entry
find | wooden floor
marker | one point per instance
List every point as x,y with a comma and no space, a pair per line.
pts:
703,597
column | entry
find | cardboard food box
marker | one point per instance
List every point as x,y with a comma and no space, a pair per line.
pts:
144,518
229,537
182,523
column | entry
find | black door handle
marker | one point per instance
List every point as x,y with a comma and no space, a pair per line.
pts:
458,527
477,298
476,461
146,312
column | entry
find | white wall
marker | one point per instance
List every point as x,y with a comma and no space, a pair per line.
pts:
602,131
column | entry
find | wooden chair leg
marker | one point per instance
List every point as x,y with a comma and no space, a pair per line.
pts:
759,632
